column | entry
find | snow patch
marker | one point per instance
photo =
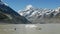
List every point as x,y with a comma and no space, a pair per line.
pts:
30,26
28,7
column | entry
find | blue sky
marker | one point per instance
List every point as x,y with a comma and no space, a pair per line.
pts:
20,4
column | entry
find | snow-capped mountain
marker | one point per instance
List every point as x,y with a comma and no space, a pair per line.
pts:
9,16
39,15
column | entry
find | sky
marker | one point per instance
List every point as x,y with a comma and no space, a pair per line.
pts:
20,4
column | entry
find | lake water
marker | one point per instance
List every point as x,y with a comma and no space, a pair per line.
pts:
30,29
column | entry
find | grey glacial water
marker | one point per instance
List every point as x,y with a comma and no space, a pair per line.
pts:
30,29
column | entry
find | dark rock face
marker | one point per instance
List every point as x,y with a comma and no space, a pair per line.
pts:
9,16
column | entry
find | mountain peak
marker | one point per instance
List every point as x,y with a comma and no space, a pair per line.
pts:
28,7
2,3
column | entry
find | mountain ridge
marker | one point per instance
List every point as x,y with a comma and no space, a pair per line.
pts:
36,15
9,16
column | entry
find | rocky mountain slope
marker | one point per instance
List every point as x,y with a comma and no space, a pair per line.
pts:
9,16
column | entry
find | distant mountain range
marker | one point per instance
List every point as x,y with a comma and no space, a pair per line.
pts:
9,16
41,16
